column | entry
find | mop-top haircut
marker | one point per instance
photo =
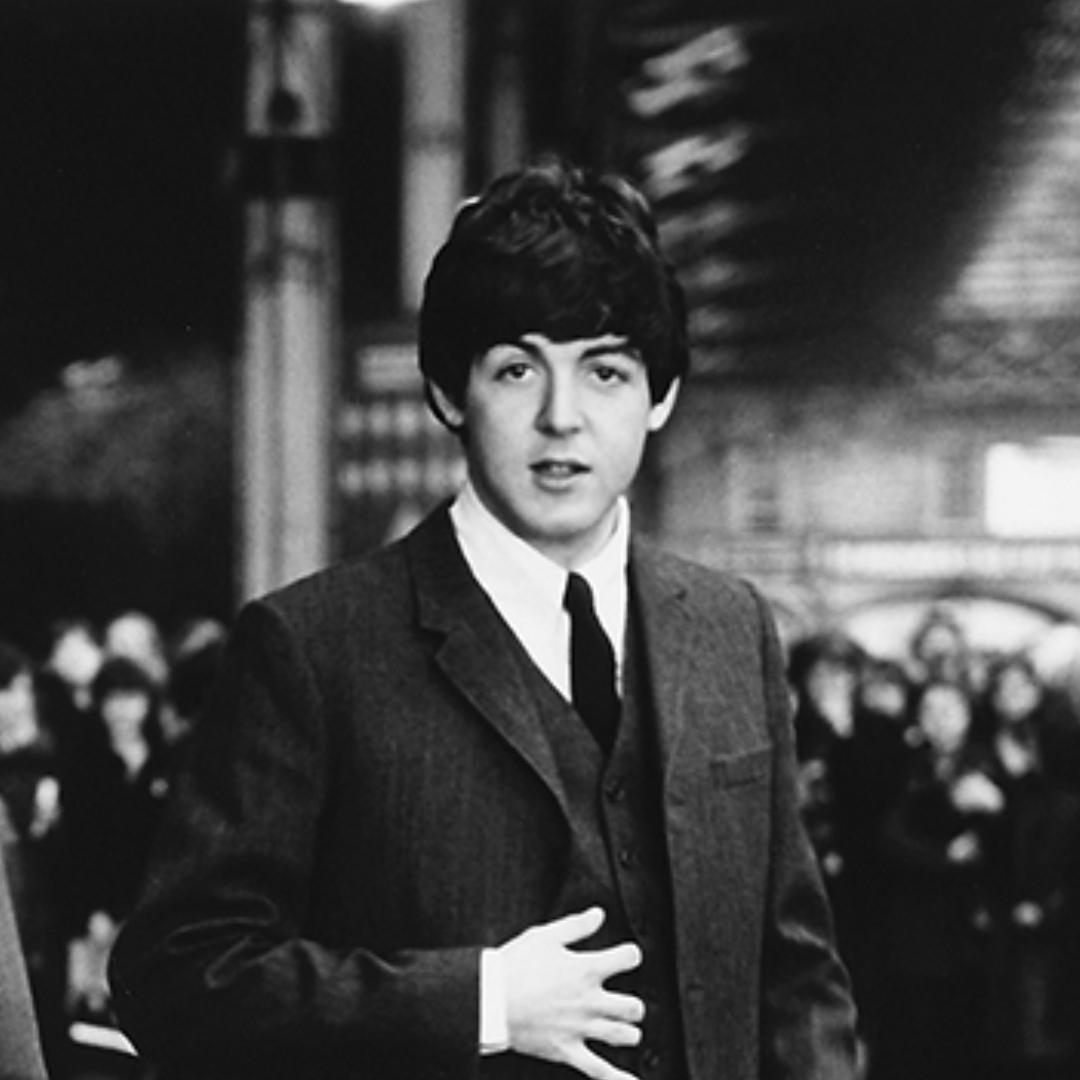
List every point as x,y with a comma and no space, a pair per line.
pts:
556,250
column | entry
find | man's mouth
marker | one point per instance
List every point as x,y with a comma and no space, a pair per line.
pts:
550,469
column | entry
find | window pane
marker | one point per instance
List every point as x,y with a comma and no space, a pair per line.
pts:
1033,488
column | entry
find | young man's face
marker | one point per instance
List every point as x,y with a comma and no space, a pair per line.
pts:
554,433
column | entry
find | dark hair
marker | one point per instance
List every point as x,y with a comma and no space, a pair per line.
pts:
556,250
937,618
119,674
825,647
193,674
13,662
876,668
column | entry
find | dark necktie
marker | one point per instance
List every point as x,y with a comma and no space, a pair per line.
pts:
592,664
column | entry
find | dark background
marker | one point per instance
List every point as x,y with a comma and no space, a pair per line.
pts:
122,153
119,128
882,128
121,173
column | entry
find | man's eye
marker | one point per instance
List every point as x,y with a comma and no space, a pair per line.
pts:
514,371
608,373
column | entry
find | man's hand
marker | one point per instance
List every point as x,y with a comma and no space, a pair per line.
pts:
556,1000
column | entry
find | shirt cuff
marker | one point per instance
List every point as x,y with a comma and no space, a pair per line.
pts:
494,1026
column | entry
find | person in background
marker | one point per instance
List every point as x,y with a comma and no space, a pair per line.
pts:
940,651
850,728
112,803
515,796
65,683
822,671
194,662
1018,708
134,635
883,694
869,772
822,675
1033,875
934,844
20,1051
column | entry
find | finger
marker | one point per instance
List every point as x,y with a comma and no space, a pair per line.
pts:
614,1033
575,927
592,1065
618,958
623,1007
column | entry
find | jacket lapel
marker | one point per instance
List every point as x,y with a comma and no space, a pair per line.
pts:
666,631
703,660
473,646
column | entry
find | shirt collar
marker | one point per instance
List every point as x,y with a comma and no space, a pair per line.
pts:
524,584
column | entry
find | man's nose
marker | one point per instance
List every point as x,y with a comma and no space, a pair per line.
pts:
560,409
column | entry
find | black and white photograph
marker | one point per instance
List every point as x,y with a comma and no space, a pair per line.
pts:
540,540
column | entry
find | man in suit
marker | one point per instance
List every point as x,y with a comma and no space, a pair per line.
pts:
456,811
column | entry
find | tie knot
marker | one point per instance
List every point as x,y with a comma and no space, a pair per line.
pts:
578,599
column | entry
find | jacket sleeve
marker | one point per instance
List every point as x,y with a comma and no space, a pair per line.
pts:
808,1014
218,970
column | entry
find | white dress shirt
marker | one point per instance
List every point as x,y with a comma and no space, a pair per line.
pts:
527,589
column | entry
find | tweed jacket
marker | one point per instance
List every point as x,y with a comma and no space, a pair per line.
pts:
371,800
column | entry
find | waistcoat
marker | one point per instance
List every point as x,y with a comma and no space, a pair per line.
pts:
616,859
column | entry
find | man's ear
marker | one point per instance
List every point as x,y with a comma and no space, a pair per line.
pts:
661,411
447,411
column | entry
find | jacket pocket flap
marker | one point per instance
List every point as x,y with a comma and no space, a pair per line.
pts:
745,768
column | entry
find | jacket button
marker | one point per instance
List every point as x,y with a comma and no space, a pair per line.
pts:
615,790
627,857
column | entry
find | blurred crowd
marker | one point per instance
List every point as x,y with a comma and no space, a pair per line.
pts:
91,734
942,795
941,792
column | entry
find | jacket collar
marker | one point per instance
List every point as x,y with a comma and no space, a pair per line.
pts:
475,655
472,648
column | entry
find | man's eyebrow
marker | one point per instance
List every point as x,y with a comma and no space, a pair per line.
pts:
602,348
519,343
623,348
524,345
